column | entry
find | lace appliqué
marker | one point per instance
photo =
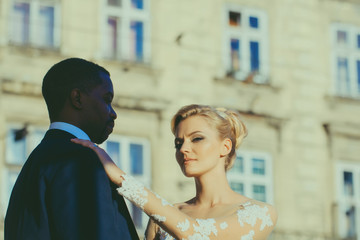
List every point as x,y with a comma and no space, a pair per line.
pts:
133,190
183,226
198,236
249,236
158,218
204,229
164,235
224,225
251,213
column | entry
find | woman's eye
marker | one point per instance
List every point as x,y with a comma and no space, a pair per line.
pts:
197,139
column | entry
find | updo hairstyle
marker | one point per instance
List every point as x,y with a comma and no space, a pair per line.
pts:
227,123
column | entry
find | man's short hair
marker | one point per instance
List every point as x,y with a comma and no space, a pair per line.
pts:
66,75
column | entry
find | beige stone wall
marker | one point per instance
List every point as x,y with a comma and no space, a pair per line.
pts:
285,118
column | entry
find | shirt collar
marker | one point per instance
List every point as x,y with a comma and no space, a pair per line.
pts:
67,127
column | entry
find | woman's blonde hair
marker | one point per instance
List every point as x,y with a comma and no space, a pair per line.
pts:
227,123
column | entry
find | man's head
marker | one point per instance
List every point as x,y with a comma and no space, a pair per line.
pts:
80,92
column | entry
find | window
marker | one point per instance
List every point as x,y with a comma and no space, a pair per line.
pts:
35,23
20,141
133,156
251,176
348,194
246,44
346,60
127,30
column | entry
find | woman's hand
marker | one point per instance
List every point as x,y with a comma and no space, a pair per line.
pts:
113,172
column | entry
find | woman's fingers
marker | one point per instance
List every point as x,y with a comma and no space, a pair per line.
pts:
85,143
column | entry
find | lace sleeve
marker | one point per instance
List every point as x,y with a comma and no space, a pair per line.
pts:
251,221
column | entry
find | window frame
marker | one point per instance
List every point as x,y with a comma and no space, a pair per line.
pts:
11,167
34,39
146,178
350,52
125,15
246,34
344,201
248,179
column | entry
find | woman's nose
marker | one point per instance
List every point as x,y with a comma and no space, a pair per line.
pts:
185,148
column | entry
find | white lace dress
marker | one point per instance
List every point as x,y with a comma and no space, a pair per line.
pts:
253,220
164,235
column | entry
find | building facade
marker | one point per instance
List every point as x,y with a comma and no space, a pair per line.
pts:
290,67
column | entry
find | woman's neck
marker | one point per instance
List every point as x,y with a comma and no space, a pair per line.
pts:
212,188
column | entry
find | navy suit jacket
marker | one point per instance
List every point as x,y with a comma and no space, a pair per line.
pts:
63,193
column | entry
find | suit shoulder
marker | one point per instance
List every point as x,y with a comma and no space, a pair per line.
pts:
64,149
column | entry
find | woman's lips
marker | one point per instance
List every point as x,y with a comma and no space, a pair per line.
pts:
188,160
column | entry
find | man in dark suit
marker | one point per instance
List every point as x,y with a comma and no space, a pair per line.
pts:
62,191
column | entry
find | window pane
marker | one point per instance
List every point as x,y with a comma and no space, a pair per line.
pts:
21,21
12,176
237,187
46,26
136,159
235,54
258,166
238,165
113,149
348,184
16,147
350,225
259,192
254,56
253,22
358,74
138,4
343,82
136,40
36,138
234,19
341,38
116,3
112,33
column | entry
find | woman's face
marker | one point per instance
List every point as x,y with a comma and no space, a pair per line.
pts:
198,147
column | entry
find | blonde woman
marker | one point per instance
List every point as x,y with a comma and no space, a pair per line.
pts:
206,140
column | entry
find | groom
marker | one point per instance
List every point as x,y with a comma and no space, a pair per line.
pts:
62,191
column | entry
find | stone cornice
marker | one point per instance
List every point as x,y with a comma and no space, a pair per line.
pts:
140,103
20,88
125,102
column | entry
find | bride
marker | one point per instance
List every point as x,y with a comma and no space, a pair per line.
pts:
205,141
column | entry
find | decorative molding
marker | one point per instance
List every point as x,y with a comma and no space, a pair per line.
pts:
142,104
20,88
248,83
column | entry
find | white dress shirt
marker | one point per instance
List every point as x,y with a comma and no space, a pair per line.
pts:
67,127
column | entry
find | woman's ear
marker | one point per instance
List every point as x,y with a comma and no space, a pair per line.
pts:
226,147
75,98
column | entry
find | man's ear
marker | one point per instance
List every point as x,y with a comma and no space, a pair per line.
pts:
226,147
75,98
